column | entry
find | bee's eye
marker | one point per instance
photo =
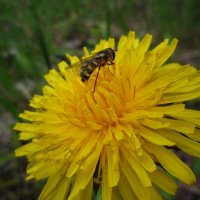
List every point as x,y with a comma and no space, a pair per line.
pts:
113,56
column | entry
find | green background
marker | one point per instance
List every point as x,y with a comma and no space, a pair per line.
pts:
35,35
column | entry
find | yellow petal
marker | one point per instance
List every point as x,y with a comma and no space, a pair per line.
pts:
146,161
86,52
26,127
160,110
154,124
136,168
171,163
26,136
84,152
82,178
52,184
106,189
61,190
112,165
47,117
154,194
116,194
195,135
140,191
43,169
93,125
166,52
189,146
179,125
125,189
161,179
86,193
144,44
153,137
179,97
189,115
27,149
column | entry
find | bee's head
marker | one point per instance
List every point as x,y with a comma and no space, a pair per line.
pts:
110,53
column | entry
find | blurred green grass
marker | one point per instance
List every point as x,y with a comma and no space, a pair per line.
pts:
34,34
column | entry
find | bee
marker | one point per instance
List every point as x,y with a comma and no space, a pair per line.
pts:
98,60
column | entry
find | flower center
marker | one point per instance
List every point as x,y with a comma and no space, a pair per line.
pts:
106,106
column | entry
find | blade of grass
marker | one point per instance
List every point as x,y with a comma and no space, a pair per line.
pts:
40,34
107,18
121,20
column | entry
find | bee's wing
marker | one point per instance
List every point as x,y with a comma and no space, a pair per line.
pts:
73,65
79,63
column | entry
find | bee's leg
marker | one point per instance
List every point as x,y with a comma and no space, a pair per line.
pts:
111,63
96,79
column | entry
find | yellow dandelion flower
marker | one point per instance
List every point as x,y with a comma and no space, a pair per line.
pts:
118,138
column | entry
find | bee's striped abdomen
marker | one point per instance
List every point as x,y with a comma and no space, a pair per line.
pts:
87,69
